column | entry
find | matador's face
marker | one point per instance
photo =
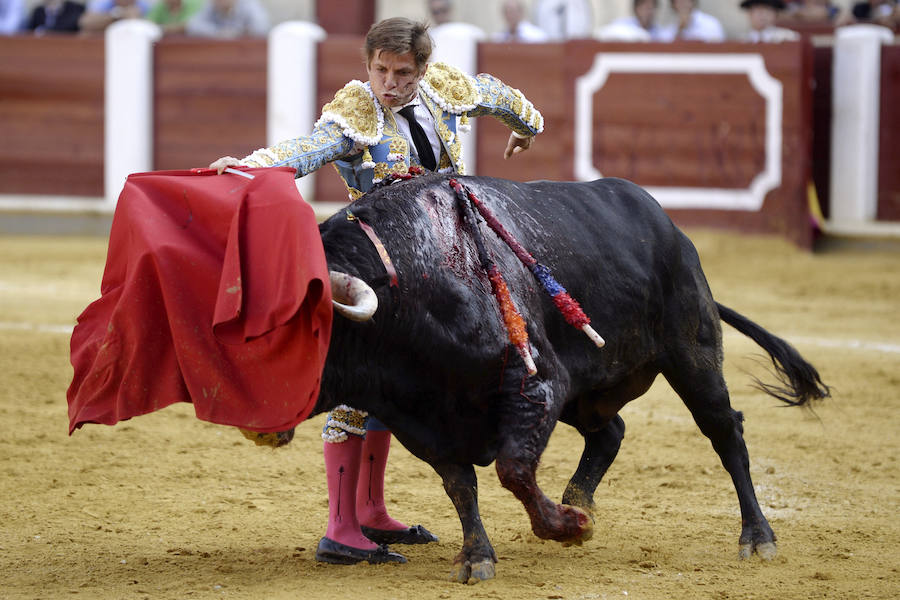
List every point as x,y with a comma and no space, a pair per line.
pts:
394,77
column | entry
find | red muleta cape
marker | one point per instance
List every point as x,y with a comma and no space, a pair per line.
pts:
215,292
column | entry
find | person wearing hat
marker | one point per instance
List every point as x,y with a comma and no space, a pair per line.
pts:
761,15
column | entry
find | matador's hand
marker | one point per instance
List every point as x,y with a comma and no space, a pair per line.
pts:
223,163
517,144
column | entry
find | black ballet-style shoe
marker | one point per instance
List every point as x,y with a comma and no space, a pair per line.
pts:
411,535
336,553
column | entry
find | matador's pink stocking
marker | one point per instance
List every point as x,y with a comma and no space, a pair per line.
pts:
342,471
370,506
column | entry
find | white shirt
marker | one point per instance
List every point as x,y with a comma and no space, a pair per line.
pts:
564,19
426,120
702,27
525,32
772,35
627,29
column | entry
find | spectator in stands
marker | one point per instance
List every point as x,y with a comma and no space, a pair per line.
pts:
517,28
440,11
229,19
878,12
564,19
56,16
640,27
172,15
12,13
99,14
812,11
761,14
691,24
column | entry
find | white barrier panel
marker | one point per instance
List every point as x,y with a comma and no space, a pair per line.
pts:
855,122
292,83
128,103
457,44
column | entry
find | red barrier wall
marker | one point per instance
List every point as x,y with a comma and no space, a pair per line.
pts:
51,115
689,130
210,100
889,140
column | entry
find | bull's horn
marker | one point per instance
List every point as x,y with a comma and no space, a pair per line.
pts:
352,297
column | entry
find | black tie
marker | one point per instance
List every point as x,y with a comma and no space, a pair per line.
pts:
423,146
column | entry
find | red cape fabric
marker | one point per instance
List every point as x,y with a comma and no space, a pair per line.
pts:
215,292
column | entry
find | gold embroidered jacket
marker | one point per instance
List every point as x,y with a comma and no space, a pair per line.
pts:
362,140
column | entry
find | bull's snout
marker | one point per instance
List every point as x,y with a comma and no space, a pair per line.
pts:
275,439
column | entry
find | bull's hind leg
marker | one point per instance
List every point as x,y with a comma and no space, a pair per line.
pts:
475,561
526,421
706,396
600,450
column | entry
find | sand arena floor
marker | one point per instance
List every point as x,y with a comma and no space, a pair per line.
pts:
166,506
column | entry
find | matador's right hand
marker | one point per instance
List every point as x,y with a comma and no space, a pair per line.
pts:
223,163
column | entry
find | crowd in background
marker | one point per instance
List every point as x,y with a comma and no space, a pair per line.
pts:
210,18
550,20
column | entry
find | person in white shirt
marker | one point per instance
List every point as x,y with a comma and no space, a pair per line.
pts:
640,27
761,15
564,19
692,24
229,19
517,28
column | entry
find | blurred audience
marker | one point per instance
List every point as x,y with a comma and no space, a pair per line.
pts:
172,15
640,27
691,24
99,14
55,16
877,12
811,11
440,12
229,19
761,15
564,19
518,29
12,13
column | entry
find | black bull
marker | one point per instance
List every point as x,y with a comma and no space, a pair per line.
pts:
435,364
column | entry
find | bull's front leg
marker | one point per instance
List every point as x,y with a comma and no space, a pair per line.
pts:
526,421
475,562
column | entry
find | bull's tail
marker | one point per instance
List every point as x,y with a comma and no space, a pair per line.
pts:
799,381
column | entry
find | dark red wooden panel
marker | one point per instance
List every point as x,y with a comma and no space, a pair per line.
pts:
210,100
51,115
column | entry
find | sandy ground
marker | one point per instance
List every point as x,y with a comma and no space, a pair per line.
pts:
166,506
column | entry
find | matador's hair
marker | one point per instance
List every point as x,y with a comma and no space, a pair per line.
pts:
399,35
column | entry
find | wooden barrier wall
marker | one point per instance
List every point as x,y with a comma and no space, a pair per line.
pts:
51,115
695,131
889,140
687,130
210,100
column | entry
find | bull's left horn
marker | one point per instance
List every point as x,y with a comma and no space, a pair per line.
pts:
352,297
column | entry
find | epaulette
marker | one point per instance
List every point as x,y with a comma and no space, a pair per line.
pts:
450,88
355,109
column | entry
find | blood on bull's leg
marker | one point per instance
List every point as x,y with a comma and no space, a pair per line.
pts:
526,421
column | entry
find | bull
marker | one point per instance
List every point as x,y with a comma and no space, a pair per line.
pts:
433,362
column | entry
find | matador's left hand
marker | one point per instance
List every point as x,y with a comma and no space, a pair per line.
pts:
517,144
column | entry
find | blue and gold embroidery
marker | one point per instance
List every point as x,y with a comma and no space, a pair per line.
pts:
361,139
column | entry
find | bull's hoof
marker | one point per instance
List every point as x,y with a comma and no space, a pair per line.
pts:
766,550
469,572
573,527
